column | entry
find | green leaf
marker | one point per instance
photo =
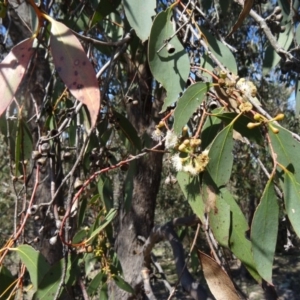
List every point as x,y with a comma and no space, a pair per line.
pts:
109,217
35,263
74,68
287,150
225,5
210,128
238,244
139,15
222,53
190,187
24,145
271,57
104,8
96,283
82,210
219,221
240,125
122,284
3,9
12,70
51,281
111,27
170,69
297,98
264,229
292,200
188,103
220,157
105,191
104,292
79,236
128,130
6,280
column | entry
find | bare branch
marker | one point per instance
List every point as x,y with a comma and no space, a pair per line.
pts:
167,232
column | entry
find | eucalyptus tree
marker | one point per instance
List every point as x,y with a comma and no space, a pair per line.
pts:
96,94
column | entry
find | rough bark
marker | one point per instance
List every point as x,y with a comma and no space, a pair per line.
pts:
33,87
138,221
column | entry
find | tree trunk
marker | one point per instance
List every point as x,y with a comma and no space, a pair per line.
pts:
33,87
138,221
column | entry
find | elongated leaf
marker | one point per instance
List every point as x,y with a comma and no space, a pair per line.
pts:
12,70
292,200
170,69
188,103
139,15
82,210
211,128
297,98
220,157
264,229
104,8
225,6
287,150
109,217
297,88
112,28
122,284
128,130
51,281
6,280
222,53
244,13
238,244
74,68
219,221
35,263
104,292
190,187
79,236
218,281
105,191
96,282
271,58
24,145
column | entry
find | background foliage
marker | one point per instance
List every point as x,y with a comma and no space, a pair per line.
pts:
116,111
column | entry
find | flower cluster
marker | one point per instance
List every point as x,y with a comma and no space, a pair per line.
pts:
192,165
187,156
188,159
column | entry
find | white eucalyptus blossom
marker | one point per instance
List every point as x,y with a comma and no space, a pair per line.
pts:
171,139
189,168
177,162
157,135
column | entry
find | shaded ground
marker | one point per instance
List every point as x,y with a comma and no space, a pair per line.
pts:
286,278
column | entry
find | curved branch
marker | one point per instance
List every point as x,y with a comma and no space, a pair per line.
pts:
167,232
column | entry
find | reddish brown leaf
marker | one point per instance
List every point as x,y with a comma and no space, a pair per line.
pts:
218,281
244,13
12,70
74,68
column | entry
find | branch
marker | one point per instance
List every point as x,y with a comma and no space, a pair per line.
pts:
167,232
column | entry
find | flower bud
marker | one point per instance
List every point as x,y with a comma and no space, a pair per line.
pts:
251,125
279,117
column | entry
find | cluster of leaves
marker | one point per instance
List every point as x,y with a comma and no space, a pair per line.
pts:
229,114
